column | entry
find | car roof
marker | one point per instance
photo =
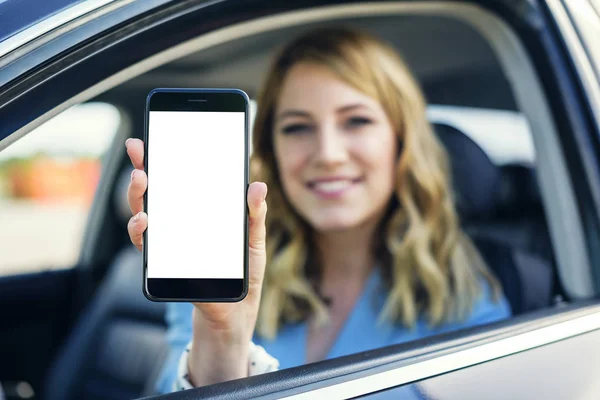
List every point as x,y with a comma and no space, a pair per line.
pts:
467,70
18,15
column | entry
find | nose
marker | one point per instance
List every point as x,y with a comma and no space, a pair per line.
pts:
331,147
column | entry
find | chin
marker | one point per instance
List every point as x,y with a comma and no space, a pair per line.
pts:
333,223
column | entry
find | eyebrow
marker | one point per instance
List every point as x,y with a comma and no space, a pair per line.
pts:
300,113
293,113
351,107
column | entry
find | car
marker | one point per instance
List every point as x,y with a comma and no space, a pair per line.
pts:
513,88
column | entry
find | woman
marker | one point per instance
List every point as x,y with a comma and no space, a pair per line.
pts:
362,242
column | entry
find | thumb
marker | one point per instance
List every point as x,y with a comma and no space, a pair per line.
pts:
257,255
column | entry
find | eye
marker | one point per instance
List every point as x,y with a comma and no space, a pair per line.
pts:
357,122
293,129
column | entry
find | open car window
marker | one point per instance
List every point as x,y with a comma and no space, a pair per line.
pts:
480,81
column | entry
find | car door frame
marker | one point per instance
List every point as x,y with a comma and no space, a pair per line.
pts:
69,62
573,22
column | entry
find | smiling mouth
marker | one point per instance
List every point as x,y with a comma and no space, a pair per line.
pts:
332,187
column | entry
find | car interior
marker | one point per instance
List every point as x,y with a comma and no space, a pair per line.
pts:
117,343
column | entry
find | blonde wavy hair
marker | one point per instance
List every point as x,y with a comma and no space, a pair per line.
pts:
430,266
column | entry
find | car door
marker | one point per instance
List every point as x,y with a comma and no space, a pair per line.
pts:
48,182
124,39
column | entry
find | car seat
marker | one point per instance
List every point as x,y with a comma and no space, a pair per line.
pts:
117,346
500,210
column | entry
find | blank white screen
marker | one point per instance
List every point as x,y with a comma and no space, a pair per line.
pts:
196,195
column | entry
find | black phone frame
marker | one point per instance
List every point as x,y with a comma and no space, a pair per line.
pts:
185,289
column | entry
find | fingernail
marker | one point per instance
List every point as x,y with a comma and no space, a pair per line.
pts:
127,142
137,216
133,174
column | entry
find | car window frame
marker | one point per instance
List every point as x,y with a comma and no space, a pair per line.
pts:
30,118
149,28
569,27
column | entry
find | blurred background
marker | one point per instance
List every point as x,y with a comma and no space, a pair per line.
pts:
47,184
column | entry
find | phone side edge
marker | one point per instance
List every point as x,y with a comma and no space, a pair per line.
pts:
246,186
145,290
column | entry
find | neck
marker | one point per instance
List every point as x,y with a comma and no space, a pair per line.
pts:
346,254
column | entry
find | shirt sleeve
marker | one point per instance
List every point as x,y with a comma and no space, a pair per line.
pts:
259,362
178,317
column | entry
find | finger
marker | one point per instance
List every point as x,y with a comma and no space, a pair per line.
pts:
257,206
135,150
257,255
136,189
136,227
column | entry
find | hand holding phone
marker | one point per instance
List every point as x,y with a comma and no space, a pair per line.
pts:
224,329
221,331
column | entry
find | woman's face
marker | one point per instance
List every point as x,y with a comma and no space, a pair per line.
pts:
335,149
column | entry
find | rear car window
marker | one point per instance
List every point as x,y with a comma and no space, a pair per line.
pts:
47,183
504,135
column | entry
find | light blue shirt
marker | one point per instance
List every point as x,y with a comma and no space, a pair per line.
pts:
360,332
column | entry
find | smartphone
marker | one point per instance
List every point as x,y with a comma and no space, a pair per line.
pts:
196,158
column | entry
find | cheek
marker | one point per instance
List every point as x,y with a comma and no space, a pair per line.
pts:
290,163
379,154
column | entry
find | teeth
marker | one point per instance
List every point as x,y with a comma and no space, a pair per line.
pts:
333,186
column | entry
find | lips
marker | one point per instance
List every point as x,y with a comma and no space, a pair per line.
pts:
332,187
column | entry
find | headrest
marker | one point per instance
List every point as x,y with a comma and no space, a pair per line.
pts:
475,178
518,192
